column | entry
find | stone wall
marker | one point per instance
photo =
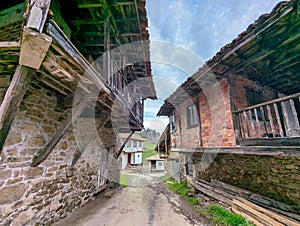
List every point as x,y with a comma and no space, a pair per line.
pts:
277,177
42,195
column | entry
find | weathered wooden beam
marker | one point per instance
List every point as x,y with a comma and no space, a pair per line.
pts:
38,12
98,129
12,100
124,144
17,12
43,153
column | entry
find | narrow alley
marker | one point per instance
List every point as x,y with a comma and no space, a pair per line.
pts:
144,202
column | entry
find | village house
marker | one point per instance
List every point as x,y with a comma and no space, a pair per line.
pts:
155,163
66,91
132,153
236,120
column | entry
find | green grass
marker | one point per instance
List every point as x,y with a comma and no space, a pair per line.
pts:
183,190
148,151
221,216
124,180
217,214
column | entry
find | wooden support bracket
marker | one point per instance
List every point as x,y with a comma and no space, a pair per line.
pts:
12,100
43,154
34,48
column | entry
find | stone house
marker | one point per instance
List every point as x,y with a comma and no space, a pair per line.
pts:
67,89
132,153
237,118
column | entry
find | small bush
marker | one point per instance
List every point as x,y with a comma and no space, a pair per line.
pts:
193,201
221,216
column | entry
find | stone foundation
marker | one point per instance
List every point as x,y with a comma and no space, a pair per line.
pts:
277,177
42,195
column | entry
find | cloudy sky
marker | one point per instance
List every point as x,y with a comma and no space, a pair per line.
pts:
199,27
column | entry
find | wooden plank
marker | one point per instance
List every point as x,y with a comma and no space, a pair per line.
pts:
286,119
294,112
98,129
260,217
66,44
216,190
38,12
257,122
278,120
251,123
264,119
43,154
269,213
247,124
212,194
271,120
12,15
12,100
236,209
9,46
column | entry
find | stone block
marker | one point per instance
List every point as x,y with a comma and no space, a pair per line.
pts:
5,174
12,193
33,172
13,138
35,141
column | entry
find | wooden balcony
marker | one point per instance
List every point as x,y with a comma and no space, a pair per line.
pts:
273,123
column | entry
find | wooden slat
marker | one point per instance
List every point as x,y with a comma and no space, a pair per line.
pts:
251,123
247,124
271,214
271,120
278,119
286,120
264,119
296,121
43,154
257,122
12,100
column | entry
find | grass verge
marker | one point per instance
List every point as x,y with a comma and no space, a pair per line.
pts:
124,180
221,216
217,214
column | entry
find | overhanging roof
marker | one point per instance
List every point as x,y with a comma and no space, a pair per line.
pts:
267,53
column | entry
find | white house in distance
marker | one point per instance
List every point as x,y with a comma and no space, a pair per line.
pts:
155,163
133,151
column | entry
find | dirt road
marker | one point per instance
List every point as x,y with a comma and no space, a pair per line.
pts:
142,204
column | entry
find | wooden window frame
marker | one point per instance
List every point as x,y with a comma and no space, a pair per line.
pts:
192,116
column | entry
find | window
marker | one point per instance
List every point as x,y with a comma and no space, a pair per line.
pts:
172,122
253,97
192,116
134,143
128,144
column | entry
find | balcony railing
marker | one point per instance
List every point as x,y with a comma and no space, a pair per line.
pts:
278,118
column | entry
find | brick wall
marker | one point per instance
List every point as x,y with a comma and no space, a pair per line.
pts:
277,177
44,194
214,107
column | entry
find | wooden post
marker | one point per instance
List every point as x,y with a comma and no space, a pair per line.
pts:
43,154
287,124
264,119
246,121
38,14
12,100
294,112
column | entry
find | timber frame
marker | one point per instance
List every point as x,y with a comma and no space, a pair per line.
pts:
53,43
